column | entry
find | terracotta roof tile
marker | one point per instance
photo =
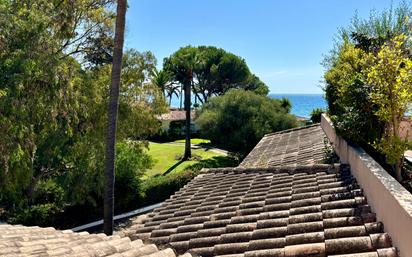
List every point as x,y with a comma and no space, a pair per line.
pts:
299,146
17,240
315,210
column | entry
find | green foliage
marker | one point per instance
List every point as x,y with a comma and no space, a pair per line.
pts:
214,162
237,120
157,189
368,85
348,97
330,156
54,81
315,115
214,71
390,79
39,214
177,130
130,165
48,191
286,104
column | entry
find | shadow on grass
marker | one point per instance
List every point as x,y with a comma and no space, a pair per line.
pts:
173,167
214,162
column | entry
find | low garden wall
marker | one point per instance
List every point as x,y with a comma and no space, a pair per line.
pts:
391,202
406,128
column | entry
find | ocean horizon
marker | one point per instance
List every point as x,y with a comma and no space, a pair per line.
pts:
302,104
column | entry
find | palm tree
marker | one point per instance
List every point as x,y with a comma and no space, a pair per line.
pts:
191,62
172,89
181,95
112,116
161,79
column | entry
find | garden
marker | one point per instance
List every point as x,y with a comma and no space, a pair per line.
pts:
55,83
368,87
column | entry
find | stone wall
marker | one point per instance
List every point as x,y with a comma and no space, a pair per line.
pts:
406,128
391,202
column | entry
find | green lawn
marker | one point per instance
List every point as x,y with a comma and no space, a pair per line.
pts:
195,141
165,156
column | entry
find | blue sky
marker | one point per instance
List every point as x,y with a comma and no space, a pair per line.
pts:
283,42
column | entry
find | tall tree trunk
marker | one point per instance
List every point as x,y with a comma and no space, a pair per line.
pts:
398,164
112,117
188,153
181,96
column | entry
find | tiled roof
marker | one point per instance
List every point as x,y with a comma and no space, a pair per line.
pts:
176,115
290,211
299,146
17,240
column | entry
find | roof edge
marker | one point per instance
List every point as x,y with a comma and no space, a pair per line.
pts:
292,129
294,169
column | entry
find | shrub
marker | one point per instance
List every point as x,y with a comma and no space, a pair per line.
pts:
237,120
368,83
48,191
316,114
48,204
159,188
131,164
39,214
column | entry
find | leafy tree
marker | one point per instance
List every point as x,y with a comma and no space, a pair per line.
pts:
390,79
348,96
38,106
256,85
239,119
216,71
53,105
315,115
112,116
131,163
349,87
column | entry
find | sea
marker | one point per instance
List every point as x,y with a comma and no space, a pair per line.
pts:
302,104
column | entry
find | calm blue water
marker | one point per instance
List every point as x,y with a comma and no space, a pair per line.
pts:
302,104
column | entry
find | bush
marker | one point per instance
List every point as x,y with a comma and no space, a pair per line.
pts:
39,214
316,114
159,188
237,120
366,83
131,164
48,191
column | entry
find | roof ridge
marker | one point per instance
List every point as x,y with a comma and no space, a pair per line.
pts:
291,169
292,129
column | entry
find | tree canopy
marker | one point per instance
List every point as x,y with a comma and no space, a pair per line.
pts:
53,102
215,71
238,119
367,81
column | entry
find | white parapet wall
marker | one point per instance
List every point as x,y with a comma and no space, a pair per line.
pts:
391,202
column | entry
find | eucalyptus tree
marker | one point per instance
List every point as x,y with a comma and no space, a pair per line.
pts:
40,46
